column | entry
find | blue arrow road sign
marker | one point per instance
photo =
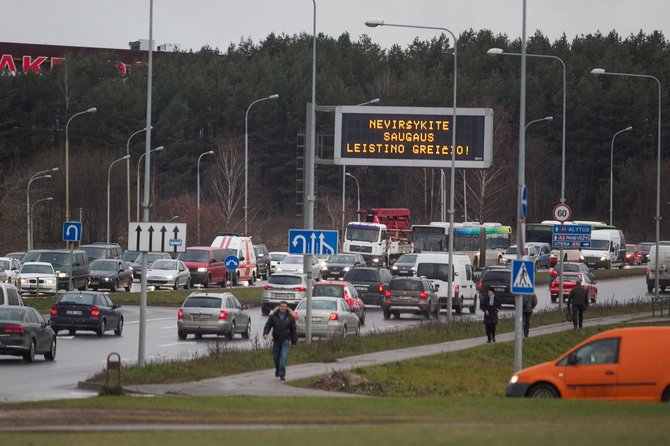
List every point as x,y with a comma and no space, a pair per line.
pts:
231,262
524,202
71,231
523,277
303,241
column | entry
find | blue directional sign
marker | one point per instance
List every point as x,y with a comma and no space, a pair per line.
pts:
524,202
231,262
523,277
71,231
303,241
571,236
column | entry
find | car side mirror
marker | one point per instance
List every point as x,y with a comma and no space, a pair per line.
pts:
241,258
116,305
436,286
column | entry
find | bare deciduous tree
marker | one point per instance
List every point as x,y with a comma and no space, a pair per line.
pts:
228,179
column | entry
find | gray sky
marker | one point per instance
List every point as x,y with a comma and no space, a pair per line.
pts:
218,23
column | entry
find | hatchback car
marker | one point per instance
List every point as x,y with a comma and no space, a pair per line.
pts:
9,295
111,274
572,267
136,263
344,290
294,264
37,278
283,286
86,311
275,259
331,318
543,254
569,282
24,332
12,267
169,273
370,283
500,279
213,313
414,295
633,255
405,265
339,264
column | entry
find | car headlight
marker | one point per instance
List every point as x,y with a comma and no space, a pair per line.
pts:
50,281
346,268
106,279
394,268
300,269
169,276
62,274
325,268
202,269
514,379
24,281
603,258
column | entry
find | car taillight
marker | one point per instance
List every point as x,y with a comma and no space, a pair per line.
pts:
334,317
423,295
457,290
95,312
15,329
54,311
299,288
267,287
380,288
387,294
553,273
223,314
180,314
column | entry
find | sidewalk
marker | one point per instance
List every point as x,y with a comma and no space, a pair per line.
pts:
263,382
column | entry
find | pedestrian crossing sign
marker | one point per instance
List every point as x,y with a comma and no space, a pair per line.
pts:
523,277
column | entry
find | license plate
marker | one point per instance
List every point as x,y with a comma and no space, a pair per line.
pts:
362,288
499,290
316,319
282,295
200,316
74,312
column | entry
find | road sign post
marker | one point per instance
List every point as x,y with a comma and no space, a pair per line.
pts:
231,263
71,233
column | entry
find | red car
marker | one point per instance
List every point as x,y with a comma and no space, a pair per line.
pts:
345,290
633,255
569,281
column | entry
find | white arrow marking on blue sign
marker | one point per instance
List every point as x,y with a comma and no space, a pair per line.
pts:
76,231
323,243
313,237
231,263
295,241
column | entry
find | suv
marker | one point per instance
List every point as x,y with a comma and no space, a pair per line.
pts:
370,283
290,287
262,261
416,295
60,260
500,279
543,254
102,250
9,295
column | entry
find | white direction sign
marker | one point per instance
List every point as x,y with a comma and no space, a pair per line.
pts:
156,237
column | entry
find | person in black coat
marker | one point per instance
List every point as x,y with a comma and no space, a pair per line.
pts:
490,305
284,332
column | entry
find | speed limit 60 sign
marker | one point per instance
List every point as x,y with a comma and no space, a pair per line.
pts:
562,212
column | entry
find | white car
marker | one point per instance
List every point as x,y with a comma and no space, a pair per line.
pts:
294,264
37,278
511,253
12,267
169,273
275,259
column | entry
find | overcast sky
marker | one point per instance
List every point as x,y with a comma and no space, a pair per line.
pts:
194,23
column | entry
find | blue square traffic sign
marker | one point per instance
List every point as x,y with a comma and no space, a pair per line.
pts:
71,231
304,241
523,277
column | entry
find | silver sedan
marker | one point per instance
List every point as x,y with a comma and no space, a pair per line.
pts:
331,318
169,273
213,313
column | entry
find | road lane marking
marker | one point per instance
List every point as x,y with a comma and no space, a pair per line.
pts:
173,344
152,320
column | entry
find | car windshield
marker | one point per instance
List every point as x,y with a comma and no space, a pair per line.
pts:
37,269
319,304
359,234
328,290
194,255
130,256
55,258
600,245
11,314
511,250
341,259
276,257
407,259
405,285
361,275
99,265
77,298
278,279
630,249
94,252
164,265
202,302
5,264
292,260
497,275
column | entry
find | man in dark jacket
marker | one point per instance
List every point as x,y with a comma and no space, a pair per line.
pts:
529,303
284,332
490,305
579,300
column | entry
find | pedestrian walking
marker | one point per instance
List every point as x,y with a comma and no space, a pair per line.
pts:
284,333
529,303
490,304
578,300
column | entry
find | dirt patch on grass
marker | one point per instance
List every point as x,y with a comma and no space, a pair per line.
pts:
347,382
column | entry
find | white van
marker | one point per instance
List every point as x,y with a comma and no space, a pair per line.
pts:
243,249
608,249
435,266
663,268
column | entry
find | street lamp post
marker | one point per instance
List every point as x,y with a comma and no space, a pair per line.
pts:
128,167
173,218
109,173
358,195
67,160
30,226
211,152
139,162
598,71
246,162
497,52
37,176
627,129
375,23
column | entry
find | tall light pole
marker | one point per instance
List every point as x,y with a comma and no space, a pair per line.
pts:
139,162
627,129
30,225
36,176
500,52
375,23
67,160
598,71
358,196
109,174
128,167
246,163
211,152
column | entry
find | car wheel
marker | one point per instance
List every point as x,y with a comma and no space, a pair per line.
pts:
30,354
129,285
650,288
72,332
208,280
358,330
344,331
387,314
119,328
236,278
473,308
182,334
459,309
363,317
428,311
231,333
265,311
247,332
543,391
665,397
114,286
103,328
198,335
51,354
176,284
554,299
187,285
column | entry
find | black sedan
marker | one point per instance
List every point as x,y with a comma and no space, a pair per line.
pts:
111,274
24,332
86,311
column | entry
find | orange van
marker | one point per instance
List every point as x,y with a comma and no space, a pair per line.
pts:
627,364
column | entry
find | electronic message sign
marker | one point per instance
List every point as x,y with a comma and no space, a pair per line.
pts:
413,136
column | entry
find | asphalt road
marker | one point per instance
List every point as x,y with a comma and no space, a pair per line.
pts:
84,354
